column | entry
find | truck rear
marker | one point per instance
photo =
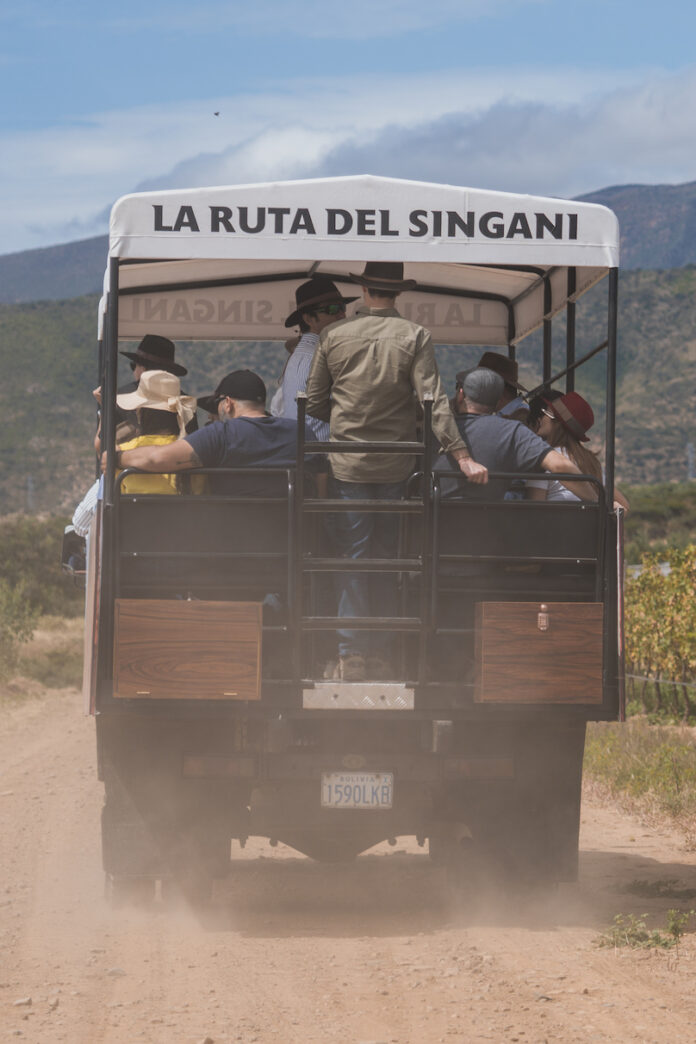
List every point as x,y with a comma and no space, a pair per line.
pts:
208,613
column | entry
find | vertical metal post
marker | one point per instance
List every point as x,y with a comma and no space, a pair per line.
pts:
426,550
620,608
109,548
570,330
610,430
100,382
297,551
110,379
547,328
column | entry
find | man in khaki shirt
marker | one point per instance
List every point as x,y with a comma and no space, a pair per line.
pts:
365,372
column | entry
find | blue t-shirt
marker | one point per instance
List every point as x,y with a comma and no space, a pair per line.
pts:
500,445
251,442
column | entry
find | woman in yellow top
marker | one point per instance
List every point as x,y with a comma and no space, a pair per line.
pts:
163,413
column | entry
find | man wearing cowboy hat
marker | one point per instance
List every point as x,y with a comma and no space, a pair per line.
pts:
511,404
318,303
367,375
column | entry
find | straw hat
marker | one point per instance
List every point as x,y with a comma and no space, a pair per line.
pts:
159,390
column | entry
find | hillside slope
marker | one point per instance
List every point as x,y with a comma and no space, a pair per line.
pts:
657,222
54,273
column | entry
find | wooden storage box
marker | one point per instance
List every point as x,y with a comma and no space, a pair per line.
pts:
170,649
533,652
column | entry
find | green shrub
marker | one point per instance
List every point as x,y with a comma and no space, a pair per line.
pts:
17,622
30,552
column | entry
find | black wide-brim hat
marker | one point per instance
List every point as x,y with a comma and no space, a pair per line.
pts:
501,364
318,290
157,353
384,275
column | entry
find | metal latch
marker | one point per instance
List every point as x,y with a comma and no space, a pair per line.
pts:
543,617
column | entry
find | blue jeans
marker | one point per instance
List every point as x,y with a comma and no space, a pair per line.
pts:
364,534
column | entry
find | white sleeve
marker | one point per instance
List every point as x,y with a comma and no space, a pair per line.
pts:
276,407
84,512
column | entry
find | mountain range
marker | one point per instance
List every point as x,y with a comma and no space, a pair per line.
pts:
657,222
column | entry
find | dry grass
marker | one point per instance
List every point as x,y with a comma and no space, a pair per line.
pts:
51,660
648,769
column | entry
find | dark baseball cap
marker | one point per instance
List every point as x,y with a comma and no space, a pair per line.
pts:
240,384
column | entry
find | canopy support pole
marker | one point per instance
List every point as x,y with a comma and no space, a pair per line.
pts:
110,379
548,330
612,327
570,330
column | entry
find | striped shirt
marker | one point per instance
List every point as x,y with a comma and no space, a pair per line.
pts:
295,380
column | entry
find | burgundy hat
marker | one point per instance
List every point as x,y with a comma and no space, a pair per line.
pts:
384,275
156,353
574,413
501,364
318,290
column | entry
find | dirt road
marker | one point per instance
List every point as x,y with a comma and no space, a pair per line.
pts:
295,951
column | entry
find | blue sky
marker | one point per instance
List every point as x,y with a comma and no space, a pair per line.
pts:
554,97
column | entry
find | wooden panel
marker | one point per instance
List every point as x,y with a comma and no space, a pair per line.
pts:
516,662
171,649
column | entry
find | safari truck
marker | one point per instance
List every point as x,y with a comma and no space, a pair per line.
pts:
213,720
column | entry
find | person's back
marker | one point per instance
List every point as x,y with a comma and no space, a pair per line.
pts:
162,484
250,442
500,445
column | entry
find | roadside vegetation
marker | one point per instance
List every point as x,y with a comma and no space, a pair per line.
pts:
653,766
649,763
662,518
661,636
632,931
40,608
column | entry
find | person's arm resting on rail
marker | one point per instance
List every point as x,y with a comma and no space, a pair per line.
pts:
426,381
556,462
177,456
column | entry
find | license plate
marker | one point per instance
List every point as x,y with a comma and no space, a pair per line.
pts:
357,789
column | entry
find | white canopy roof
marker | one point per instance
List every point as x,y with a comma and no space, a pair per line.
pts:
224,263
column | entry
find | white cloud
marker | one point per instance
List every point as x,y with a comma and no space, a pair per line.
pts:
637,134
495,129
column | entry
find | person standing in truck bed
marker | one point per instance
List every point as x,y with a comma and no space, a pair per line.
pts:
363,379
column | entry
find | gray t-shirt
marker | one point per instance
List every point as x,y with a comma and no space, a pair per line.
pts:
500,445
